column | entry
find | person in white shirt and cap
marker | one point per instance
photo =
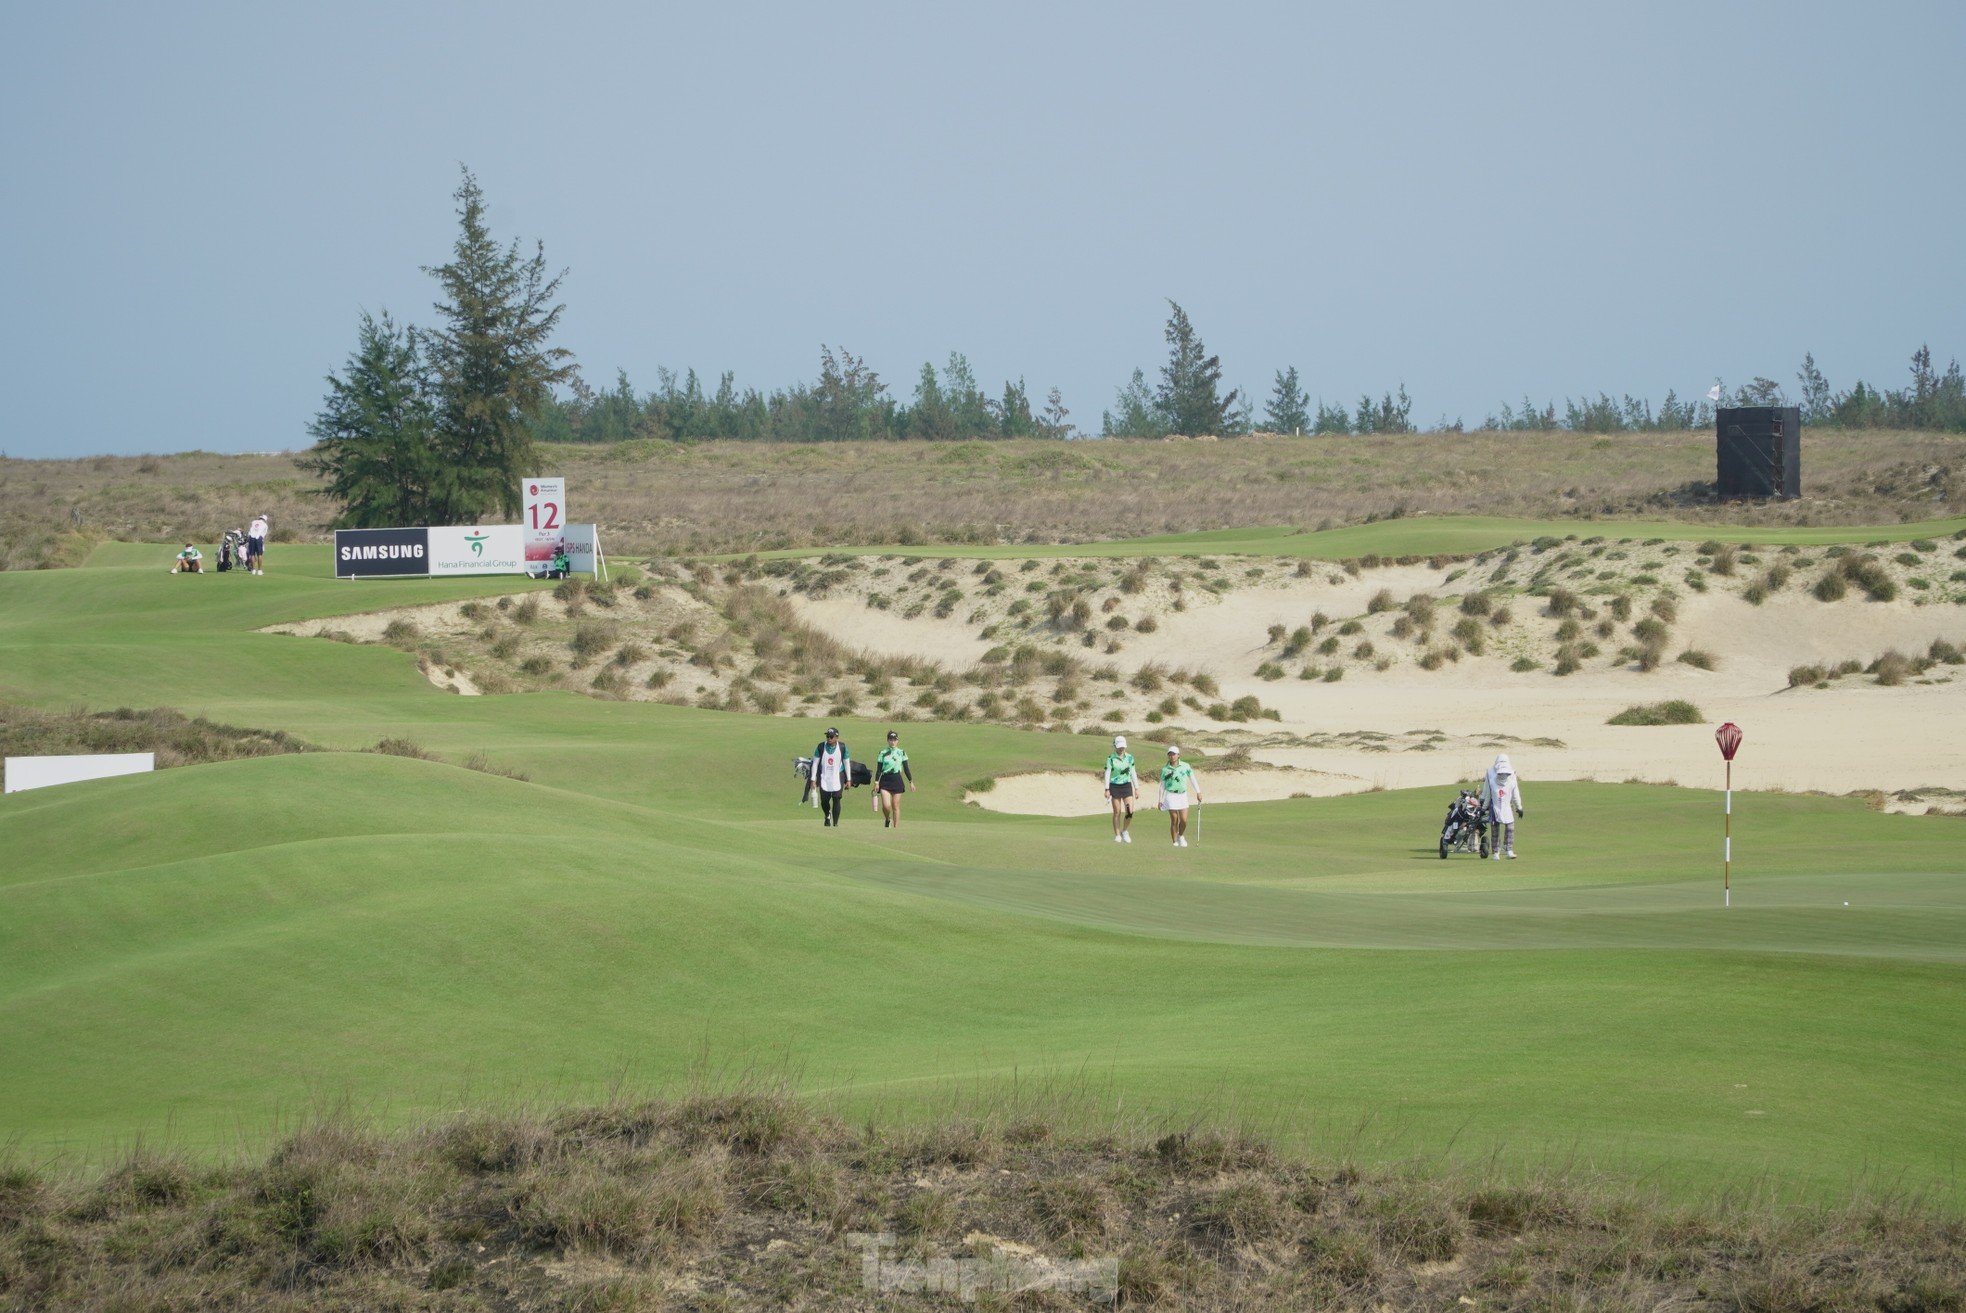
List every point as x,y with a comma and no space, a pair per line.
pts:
1502,791
832,773
256,544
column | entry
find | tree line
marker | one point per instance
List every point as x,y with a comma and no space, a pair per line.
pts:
849,401
437,425
1188,397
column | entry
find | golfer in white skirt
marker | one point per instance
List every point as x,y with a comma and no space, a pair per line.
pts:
1178,786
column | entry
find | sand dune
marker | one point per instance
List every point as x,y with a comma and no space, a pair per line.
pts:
1853,736
1223,618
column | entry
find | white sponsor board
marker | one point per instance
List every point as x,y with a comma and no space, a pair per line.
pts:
477,549
581,540
40,772
544,515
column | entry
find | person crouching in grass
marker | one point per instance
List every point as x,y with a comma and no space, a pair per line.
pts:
1178,787
893,776
189,561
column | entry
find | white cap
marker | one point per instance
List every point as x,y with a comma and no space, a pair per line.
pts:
1174,752
1502,766
1119,740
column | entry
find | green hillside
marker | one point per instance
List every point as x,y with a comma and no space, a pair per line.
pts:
208,950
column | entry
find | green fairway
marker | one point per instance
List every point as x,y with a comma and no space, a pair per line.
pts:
1424,535
211,948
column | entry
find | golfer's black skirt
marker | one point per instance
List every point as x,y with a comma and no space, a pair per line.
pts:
893,783
1121,791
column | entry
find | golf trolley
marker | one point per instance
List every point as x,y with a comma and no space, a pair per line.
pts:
1466,827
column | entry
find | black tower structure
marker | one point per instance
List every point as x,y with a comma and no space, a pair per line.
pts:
1760,451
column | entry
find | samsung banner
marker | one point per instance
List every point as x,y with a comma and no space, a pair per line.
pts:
359,553
458,549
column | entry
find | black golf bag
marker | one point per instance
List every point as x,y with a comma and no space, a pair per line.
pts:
1466,827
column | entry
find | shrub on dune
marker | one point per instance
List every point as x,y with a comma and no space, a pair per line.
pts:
1674,712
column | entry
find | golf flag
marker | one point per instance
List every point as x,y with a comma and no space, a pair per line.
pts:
1728,736
1713,393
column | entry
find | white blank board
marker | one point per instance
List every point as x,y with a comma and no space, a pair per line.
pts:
40,772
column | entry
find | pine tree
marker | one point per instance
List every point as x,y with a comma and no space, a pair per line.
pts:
373,437
1014,411
1333,419
491,364
1055,422
850,401
930,418
1915,404
1817,399
974,415
1136,415
1760,391
1189,398
1289,409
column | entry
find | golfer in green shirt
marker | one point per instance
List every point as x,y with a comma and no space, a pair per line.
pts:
1178,788
1120,778
892,778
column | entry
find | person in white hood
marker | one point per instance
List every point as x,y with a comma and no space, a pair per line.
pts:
1502,791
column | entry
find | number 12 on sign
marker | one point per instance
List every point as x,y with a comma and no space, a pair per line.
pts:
545,502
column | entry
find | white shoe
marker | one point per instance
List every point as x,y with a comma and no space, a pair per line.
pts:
1511,854
1182,842
1126,836
1497,857
1117,839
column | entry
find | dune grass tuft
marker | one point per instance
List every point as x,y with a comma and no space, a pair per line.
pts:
1676,711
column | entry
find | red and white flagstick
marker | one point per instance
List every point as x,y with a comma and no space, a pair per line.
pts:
1728,736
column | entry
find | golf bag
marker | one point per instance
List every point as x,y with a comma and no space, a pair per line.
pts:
231,552
860,774
808,795
1466,827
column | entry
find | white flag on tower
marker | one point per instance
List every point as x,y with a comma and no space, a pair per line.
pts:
1713,393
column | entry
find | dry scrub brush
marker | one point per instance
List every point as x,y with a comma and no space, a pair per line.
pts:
749,1199
176,739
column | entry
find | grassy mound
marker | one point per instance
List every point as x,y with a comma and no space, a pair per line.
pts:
1675,711
751,1200
177,739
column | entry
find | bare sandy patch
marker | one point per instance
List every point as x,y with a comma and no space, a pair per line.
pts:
931,638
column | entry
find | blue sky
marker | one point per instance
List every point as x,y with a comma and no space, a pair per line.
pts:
1479,201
